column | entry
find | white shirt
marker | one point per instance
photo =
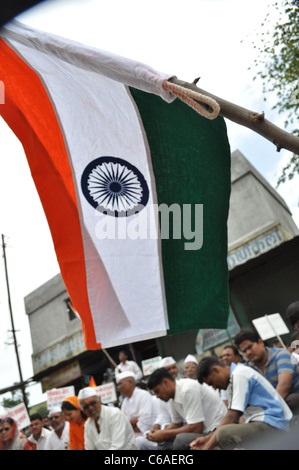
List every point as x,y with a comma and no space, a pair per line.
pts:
129,366
59,443
140,405
41,442
116,432
252,394
164,414
197,403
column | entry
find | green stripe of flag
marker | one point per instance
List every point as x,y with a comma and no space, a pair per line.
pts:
191,163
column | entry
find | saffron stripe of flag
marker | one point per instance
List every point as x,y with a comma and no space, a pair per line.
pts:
107,146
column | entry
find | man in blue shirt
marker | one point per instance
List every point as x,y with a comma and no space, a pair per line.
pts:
276,364
250,396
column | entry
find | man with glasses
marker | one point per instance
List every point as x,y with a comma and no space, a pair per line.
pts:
190,367
275,364
59,438
107,427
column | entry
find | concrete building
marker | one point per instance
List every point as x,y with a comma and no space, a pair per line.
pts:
263,257
259,219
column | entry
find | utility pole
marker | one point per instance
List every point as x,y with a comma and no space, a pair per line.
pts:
22,385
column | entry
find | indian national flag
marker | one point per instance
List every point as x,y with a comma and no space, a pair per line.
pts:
134,183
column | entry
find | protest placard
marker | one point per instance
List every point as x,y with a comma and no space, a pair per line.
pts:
149,365
19,414
270,326
56,396
107,392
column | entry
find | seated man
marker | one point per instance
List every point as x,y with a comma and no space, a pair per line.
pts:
190,367
138,405
162,419
195,409
38,434
170,364
230,354
59,437
164,413
251,395
163,408
107,428
275,364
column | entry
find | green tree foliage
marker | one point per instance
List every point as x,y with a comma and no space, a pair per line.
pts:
277,65
40,409
16,399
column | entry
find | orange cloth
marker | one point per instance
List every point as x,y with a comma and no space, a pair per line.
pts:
76,429
73,401
92,382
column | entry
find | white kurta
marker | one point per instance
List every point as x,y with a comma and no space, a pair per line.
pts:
41,442
116,432
164,413
129,366
140,405
59,443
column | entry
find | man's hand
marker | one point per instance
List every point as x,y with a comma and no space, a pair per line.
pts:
210,440
156,435
200,442
134,422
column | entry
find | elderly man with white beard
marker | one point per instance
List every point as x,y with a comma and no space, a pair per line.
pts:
59,437
107,428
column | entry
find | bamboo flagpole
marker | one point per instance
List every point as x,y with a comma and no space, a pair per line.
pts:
251,119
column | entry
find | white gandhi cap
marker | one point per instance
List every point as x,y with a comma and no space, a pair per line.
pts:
167,361
125,375
191,358
87,392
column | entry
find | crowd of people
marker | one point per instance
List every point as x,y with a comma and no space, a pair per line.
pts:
247,395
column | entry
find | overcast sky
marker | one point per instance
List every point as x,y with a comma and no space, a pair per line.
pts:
195,38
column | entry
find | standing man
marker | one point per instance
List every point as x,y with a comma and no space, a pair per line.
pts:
127,366
107,428
59,437
38,434
195,409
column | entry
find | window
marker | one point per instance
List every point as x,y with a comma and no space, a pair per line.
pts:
70,310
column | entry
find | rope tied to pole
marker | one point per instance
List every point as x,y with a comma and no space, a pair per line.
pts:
202,104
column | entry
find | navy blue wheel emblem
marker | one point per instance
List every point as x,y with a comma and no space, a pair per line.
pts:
114,186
